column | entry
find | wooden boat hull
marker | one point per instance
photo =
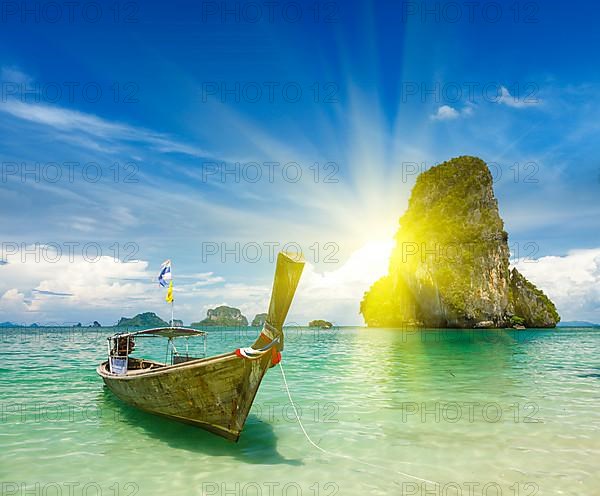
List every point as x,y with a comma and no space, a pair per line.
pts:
214,393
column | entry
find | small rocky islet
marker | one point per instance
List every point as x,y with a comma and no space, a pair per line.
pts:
146,319
323,324
259,320
223,316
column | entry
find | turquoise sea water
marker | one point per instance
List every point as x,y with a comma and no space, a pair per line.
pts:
480,412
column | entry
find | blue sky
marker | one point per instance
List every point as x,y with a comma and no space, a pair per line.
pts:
365,90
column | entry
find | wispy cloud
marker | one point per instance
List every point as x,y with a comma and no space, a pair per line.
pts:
89,128
11,74
517,101
50,293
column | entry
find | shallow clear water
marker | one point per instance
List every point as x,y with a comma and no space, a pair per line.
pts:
479,412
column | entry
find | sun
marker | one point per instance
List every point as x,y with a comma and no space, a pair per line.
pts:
371,261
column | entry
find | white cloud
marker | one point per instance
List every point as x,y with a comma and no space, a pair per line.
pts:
517,101
41,284
12,302
572,282
448,113
445,113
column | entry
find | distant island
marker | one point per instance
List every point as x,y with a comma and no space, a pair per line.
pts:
259,320
577,323
146,319
5,325
450,266
94,324
12,324
323,324
223,316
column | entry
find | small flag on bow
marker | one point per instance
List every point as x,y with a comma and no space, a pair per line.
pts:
165,274
169,297
165,278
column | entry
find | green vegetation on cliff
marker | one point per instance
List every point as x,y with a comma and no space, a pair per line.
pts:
259,320
450,265
530,303
223,316
146,319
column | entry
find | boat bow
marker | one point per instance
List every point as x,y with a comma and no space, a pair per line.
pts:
287,276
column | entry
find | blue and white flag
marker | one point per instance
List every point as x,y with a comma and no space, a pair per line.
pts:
165,274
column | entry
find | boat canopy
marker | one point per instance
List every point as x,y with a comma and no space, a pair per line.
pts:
165,332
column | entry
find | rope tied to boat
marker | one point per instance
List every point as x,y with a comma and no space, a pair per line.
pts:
339,455
250,353
267,326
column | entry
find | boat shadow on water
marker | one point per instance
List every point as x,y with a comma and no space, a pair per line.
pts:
257,444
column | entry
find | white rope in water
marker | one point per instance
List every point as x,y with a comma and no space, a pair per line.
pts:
437,484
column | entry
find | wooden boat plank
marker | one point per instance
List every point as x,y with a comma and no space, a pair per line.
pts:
220,392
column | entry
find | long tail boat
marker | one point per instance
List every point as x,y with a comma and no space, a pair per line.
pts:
214,393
